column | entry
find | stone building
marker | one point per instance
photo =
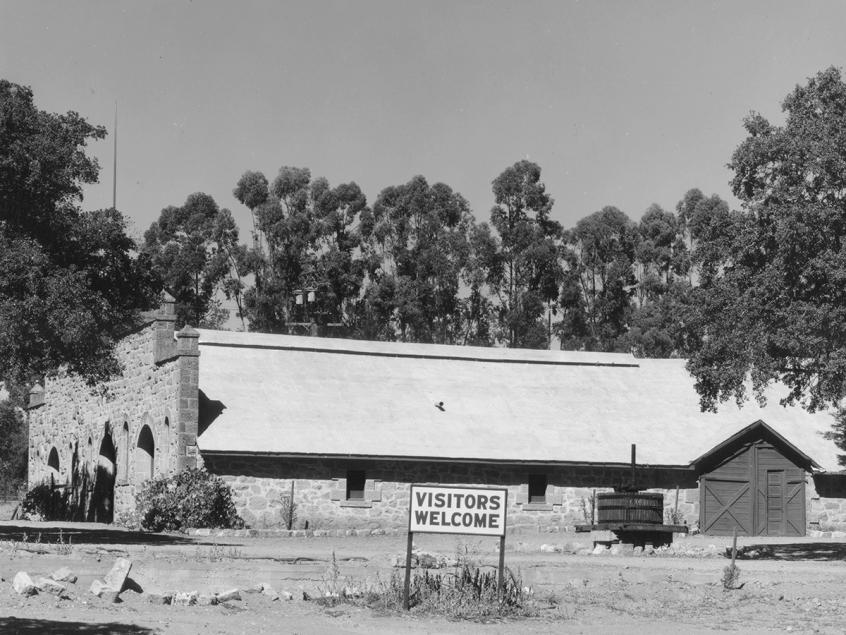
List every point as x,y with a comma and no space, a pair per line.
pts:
346,426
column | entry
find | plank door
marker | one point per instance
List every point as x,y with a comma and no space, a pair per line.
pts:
775,503
726,505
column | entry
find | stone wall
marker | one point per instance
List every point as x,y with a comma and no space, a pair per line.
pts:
826,502
260,485
74,418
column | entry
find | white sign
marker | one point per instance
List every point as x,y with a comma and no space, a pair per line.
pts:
457,510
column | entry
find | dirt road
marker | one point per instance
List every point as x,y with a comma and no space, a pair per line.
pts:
798,587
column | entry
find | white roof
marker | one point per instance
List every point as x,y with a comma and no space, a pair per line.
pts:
316,396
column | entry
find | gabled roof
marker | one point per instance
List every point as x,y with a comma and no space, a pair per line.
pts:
757,430
294,396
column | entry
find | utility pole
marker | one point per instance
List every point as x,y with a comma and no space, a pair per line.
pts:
114,166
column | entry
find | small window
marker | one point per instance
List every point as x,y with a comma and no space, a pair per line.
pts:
355,485
537,488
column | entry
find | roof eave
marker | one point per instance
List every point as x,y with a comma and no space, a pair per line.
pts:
439,459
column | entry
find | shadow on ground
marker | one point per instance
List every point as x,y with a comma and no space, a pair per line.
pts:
14,625
97,535
792,551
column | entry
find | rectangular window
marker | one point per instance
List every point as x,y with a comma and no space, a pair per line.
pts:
355,485
537,488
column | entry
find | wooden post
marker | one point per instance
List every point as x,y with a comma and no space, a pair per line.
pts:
733,546
291,508
501,564
593,508
676,508
405,602
634,455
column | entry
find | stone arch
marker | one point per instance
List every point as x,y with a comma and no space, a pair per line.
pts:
145,455
164,445
53,465
103,498
123,454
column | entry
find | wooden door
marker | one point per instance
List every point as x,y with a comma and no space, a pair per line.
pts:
726,505
775,503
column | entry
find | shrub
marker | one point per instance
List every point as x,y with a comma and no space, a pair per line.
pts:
43,502
190,498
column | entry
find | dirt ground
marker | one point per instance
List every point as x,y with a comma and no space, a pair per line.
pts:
794,585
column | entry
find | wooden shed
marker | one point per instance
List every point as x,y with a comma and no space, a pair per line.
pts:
753,482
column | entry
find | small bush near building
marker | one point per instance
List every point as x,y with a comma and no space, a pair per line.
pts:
44,502
190,498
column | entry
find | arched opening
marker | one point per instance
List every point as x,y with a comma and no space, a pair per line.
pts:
102,502
164,449
53,466
123,464
145,451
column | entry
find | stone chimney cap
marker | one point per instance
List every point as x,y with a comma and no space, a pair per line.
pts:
188,331
36,397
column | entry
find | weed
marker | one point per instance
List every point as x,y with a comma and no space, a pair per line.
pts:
587,506
63,548
217,553
288,510
731,577
469,592
674,517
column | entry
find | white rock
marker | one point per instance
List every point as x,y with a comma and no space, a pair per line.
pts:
116,578
185,598
23,584
63,575
48,585
226,596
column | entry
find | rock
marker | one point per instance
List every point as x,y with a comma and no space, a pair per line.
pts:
256,588
205,599
226,596
116,578
63,575
185,598
97,587
550,548
23,584
399,561
285,595
578,583
48,585
160,598
638,551
599,550
269,591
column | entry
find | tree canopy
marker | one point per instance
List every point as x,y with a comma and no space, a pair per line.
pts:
70,284
520,261
194,250
775,307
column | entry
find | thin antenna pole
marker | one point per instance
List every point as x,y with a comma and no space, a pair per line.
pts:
114,167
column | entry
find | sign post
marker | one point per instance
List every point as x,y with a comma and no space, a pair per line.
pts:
442,509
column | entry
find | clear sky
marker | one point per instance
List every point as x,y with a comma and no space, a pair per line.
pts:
621,103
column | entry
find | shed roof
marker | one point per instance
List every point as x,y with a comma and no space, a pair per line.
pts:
293,395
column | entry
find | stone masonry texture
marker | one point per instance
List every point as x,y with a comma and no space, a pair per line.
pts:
69,420
76,417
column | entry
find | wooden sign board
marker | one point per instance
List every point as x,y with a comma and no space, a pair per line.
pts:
457,510
442,509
